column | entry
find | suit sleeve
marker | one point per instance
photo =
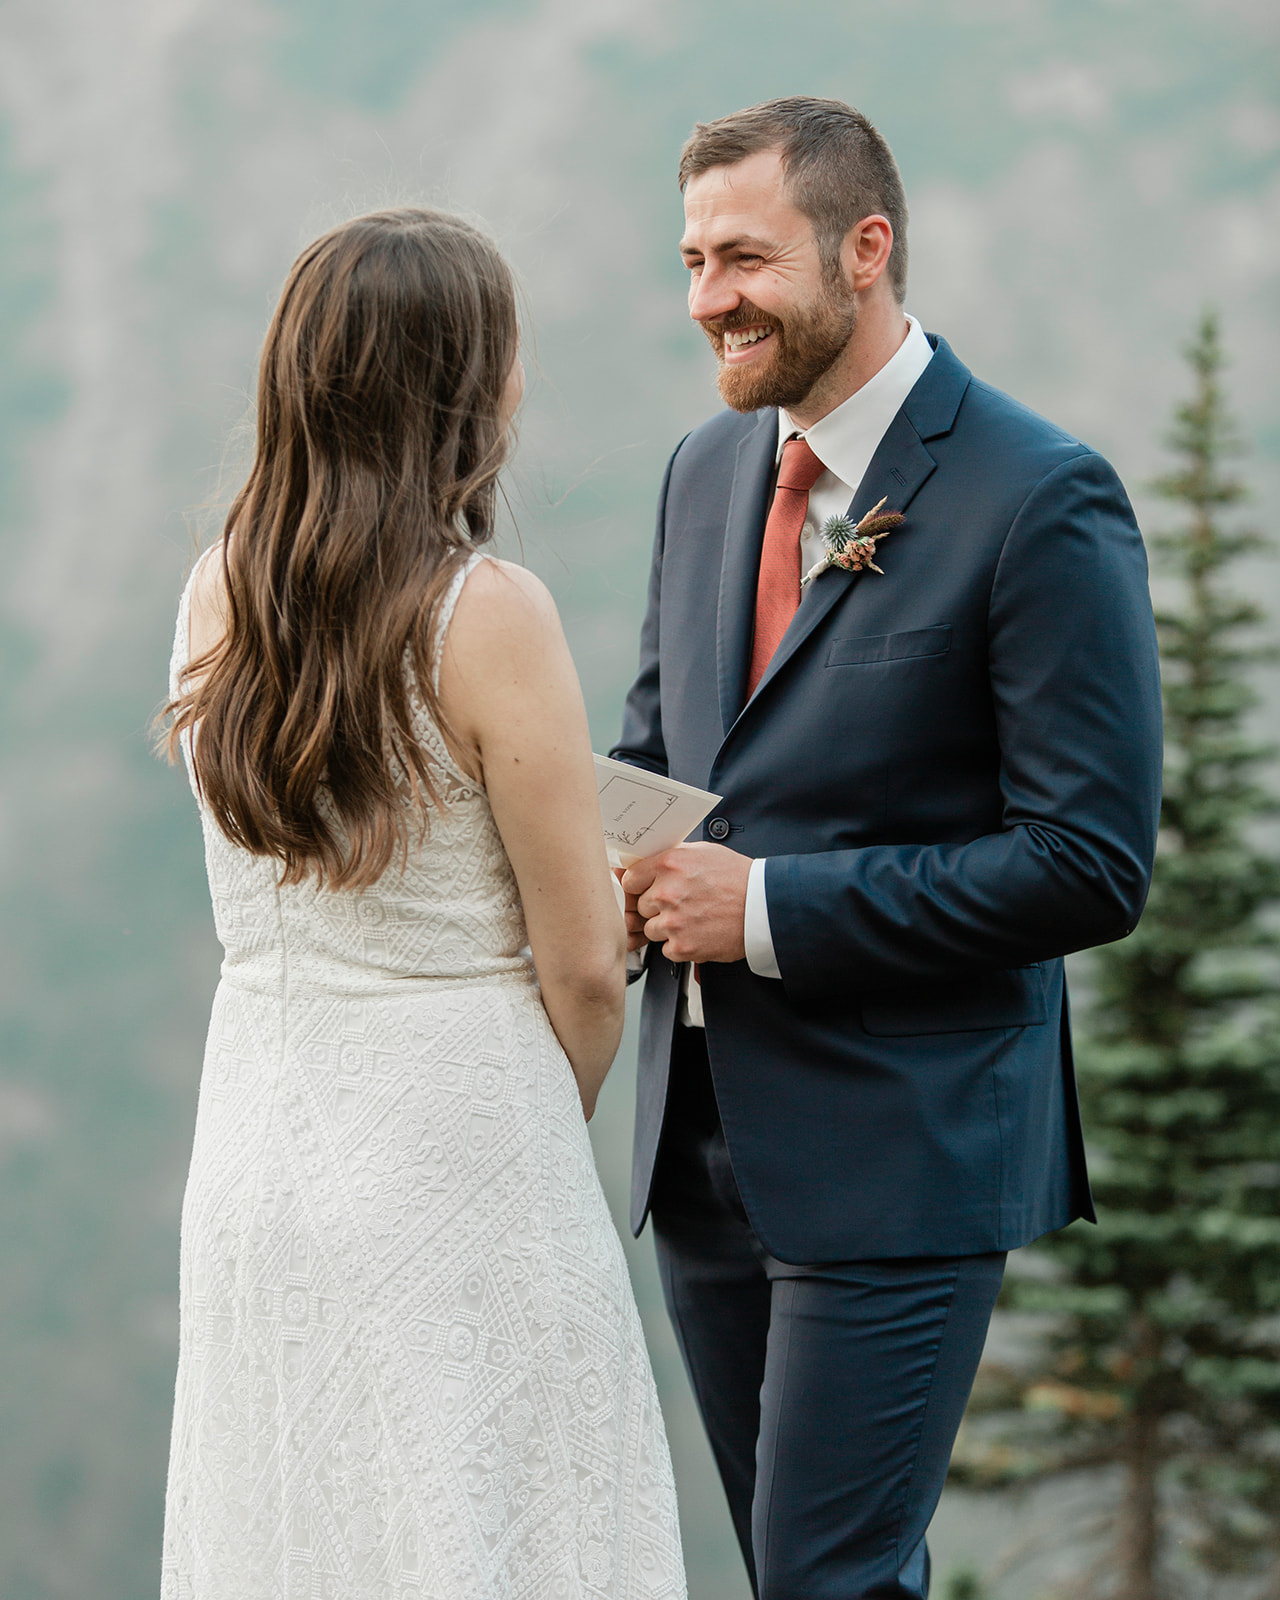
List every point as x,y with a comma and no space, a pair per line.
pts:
641,741
1075,688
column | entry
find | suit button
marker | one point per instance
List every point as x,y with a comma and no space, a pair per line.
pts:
718,828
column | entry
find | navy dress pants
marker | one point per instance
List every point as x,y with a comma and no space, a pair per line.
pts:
831,1393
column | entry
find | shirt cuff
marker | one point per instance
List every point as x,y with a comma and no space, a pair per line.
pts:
755,926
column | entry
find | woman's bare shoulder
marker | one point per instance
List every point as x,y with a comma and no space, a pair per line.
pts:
503,607
494,582
505,666
208,602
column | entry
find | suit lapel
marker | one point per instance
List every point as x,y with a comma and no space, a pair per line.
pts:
743,536
899,467
896,472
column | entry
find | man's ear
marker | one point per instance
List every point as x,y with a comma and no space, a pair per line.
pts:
865,252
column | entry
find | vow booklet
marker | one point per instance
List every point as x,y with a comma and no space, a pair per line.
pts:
643,813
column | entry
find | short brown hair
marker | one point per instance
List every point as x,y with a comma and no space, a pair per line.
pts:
838,168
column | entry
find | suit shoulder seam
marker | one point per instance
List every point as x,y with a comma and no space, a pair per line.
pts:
1081,453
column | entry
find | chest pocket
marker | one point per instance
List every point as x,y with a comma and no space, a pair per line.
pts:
880,647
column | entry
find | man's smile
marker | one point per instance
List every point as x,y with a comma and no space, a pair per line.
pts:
740,343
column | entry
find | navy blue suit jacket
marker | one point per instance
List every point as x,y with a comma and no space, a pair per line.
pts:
954,772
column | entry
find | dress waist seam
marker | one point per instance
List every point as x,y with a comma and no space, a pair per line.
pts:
410,984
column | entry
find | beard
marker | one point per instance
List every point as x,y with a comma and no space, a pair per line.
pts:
806,345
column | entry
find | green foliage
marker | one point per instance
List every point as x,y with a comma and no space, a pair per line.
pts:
1164,1350
963,1582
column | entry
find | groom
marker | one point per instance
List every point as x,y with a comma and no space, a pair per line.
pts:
940,763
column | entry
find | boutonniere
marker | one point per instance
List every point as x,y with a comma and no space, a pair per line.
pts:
854,546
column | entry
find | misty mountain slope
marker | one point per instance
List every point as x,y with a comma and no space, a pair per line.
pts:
1082,178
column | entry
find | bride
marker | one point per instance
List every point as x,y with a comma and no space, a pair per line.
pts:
410,1363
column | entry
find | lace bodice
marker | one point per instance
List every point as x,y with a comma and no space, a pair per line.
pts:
450,911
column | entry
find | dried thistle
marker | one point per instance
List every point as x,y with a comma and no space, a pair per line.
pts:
837,531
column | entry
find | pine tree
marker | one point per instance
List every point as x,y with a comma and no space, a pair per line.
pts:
1163,1362
964,1583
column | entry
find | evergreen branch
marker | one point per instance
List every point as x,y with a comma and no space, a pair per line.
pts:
1161,1349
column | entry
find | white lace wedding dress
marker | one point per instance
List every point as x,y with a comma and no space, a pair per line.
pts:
410,1362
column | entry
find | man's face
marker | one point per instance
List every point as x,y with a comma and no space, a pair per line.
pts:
774,319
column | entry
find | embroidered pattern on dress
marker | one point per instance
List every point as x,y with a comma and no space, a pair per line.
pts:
410,1362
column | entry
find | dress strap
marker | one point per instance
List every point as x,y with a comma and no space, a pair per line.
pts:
447,607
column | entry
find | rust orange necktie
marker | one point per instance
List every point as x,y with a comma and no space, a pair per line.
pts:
778,586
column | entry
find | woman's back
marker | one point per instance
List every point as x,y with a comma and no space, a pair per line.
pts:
448,908
410,1360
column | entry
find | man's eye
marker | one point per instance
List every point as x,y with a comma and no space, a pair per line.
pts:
750,261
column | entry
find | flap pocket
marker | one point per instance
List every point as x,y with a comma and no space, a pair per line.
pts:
1012,999
889,647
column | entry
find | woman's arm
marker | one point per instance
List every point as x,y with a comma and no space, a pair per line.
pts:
510,693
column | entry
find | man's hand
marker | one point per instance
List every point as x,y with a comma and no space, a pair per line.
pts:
691,900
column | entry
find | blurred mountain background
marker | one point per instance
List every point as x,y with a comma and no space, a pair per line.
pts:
1084,175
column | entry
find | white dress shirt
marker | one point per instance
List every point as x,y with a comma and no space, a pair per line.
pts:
844,441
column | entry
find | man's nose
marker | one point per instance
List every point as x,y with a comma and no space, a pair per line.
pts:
712,295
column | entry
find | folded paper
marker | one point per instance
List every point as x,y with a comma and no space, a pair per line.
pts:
644,813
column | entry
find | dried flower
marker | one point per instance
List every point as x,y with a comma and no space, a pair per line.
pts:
837,531
853,547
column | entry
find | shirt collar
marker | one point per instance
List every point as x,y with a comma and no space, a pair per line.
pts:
846,438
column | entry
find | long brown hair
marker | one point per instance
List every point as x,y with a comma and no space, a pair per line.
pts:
380,435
